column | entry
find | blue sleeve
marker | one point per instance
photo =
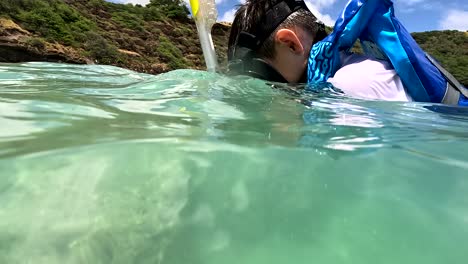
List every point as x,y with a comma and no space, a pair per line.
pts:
324,59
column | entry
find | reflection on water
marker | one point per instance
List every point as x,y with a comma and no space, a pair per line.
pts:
103,165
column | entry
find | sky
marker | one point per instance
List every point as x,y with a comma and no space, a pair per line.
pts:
416,15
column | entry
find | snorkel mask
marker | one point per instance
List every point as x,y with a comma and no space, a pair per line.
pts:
243,58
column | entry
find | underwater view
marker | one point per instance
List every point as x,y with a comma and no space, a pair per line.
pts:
100,164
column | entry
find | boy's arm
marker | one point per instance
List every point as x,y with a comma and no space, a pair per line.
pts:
373,21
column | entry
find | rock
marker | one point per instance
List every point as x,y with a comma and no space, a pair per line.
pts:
19,45
159,67
8,27
130,53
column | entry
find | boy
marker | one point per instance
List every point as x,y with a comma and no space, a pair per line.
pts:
272,40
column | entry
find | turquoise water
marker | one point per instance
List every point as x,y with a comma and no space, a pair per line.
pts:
104,165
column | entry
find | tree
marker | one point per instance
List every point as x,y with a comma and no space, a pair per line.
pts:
175,9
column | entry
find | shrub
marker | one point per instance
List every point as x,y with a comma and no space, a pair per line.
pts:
100,49
174,9
128,20
152,13
54,20
170,53
34,42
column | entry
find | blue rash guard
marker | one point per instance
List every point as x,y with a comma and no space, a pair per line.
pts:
382,36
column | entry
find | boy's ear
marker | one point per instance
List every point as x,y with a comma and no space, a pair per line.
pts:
290,40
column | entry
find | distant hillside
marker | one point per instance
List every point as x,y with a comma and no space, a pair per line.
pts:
450,48
153,39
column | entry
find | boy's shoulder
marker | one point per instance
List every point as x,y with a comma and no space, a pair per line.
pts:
366,77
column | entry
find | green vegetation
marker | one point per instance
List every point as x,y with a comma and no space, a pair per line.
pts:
54,20
174,9
34,42
128,20
99,29
450,48
170,54
100,49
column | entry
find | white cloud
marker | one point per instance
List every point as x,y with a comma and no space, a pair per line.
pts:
410,2
228,16
410,6
316,8
319,4
454,19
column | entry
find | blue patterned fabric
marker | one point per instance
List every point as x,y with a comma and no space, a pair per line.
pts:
382,36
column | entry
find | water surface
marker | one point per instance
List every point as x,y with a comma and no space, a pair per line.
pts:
104,165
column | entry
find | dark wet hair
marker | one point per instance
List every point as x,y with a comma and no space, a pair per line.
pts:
251,14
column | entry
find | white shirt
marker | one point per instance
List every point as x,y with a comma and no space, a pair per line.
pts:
367,78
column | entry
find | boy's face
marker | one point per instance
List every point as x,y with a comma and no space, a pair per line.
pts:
292,51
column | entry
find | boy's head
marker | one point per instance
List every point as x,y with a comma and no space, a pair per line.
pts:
278,32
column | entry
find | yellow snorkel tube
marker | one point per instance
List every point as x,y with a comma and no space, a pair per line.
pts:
205,15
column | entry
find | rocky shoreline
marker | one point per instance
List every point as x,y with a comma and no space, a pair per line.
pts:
17,44
20,45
